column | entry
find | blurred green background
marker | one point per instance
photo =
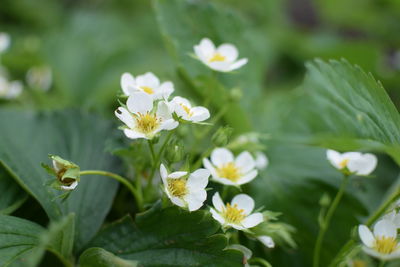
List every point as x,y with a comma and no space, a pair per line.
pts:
89,44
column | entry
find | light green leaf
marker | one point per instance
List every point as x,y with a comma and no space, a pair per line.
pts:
342,107
98,257
12,196
169,237
28,138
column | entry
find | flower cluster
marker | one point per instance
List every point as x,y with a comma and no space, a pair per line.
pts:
148,109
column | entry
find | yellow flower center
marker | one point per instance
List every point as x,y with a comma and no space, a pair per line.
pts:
147,90
217,57
187,110
233,214
229,171
147,123
385,245
177,187
343,163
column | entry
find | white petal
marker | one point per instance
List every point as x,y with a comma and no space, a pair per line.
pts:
182,100
253,220
198,179
247,177
200,114
217,216
245,162
71,186
210,167
180,111
163,173
229,51
166,89
385,228
217,202
5,41
396,220
196,200
57,166
207,47
363,165
221,156
236,226
169,124
132,134
177,201
177,175
366,235
139,102
244,202
238,64
334,158
223,66
14,90
125,116
127,83
148,79
163,111
223,181
261,160
267,241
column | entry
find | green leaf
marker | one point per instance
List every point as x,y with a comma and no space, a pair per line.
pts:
344,108
28,138
23,243
169,237
12,196
98,257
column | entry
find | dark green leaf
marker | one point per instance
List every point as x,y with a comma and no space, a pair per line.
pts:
12,196
98,257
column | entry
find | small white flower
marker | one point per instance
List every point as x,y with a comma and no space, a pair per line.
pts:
355,162
266,240
147,83
141,118
236,214
394,217
382,243
223,58
39,77
5,41
10,90
228,170
188,193
261,160
184,110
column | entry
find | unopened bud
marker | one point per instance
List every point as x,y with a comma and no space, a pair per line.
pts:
66,172
174,151
221,136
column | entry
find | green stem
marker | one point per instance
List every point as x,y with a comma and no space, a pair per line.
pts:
157,159
349,246
205,154
382,263
120,179
151,147
326,221
260,261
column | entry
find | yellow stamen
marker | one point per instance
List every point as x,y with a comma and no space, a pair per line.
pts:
187,110
177,187
385,245
233,214
147,90
229,171
147,123
217,57
343,163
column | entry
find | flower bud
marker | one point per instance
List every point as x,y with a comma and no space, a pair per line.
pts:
174,151
66,172
221,136
235,94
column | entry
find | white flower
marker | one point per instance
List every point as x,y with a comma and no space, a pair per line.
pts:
261,160
382,243
188,193
394,217
39,77
227,170
355,162
184,110
10,90
236,214
223,58
147,83
266,240
141,118
5,41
